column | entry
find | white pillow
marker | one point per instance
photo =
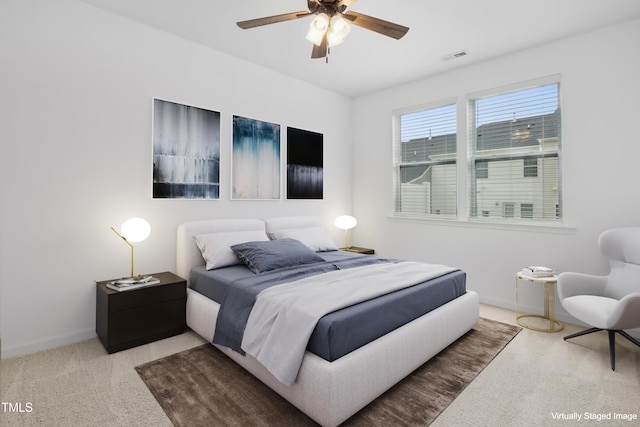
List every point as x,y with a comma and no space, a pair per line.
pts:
216,247
314,238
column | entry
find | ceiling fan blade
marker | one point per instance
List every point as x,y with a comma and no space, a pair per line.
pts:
252,23
320,51
381,26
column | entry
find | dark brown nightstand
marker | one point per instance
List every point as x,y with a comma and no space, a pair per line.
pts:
358,250
130,318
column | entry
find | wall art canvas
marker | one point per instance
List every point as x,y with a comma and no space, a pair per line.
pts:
186,152
304,164
256,159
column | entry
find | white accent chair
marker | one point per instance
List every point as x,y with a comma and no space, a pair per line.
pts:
612,302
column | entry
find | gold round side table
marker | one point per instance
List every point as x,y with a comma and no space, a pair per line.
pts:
549,284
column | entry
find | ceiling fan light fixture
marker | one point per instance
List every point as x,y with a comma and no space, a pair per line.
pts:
339,25
320,22
318,28
334,38
338,30
315,36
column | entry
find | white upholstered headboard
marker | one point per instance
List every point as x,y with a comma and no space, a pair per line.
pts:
187,253
289,222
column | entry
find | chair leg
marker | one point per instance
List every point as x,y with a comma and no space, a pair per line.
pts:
585,332
612,349
629,337
612,341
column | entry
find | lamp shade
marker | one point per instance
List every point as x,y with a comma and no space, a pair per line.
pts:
333,38
339,26
318,27
315,36
321,22
345,222
135,229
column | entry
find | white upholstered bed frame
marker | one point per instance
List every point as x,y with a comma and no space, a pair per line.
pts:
330,392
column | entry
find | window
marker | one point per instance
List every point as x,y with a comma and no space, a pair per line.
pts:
530,168
425,149
508,210
526,210
482,170
514,155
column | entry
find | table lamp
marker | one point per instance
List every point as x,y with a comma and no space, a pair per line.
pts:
133,230
345,222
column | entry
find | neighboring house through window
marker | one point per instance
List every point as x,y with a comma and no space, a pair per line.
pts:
514,143
425,148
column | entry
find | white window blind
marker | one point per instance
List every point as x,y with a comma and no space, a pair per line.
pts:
425,162
514,155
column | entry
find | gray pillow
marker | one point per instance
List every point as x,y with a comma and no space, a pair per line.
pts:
274,254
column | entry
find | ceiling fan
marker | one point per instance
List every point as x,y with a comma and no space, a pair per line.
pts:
331,24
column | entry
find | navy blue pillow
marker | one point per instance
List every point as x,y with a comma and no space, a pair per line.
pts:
274,254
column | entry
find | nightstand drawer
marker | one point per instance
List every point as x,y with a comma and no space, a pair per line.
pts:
154,294
147,323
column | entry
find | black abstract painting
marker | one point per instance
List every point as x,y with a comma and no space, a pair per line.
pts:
304,164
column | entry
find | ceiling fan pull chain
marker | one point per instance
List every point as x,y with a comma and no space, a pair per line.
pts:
326,58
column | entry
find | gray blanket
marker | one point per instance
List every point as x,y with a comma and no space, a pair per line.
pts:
284,316
241,295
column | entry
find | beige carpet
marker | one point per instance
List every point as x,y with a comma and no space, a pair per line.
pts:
202,387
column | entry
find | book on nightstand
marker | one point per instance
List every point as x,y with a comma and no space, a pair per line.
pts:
131,283
538,271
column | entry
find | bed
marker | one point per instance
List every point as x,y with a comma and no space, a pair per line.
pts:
328,389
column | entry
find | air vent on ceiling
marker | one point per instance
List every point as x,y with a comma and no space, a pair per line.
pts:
455,55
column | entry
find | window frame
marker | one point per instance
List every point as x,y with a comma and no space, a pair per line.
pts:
464,165
551,220
398,164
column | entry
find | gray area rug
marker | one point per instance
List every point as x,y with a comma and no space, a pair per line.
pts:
203,387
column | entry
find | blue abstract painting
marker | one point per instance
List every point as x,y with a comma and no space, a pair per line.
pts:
256,159
186,152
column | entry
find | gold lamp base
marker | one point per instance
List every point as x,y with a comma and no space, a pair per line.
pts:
128,243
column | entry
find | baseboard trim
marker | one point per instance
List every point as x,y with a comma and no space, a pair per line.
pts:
35,346
560,314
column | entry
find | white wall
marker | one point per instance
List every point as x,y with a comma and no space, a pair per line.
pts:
601,146
76,87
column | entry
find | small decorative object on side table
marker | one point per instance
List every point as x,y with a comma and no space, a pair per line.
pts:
131,283
140,316
548,279
358,250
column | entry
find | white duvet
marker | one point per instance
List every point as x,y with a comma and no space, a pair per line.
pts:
284,316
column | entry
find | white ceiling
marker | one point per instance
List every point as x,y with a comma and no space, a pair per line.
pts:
368,61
